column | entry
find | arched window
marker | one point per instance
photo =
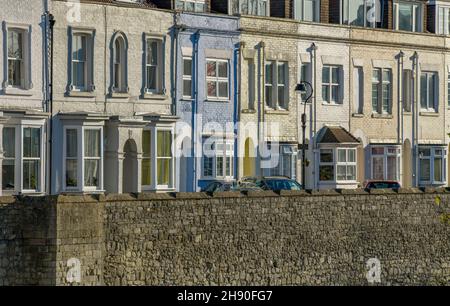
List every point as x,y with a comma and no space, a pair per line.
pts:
119,64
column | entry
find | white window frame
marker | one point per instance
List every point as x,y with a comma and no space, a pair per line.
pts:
432,106
88,85
331,163
345,10
216,79
26,73
19,158
335,163
81,159
160,67
154,158
188,77
442,19
226,153
346,163
407,90
385,155
380,85
123,64
316,13
195,3
431,159
330,85
276,103
417,25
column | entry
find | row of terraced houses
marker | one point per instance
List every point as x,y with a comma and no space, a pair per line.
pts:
168,95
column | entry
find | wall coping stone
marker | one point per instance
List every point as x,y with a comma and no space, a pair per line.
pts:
155,196
228,194
190,195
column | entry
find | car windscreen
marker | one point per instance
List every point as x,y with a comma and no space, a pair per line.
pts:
282,185
385,185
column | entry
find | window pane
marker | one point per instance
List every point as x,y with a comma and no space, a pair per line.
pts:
207,166
164,144
79,48
326,93
31,174
281,96
151,77
341,173
212,88
14,72
309,10
351,173
425,152
9,142
146,172
424,169
79,74
342,157
326,74
405,13
351,155
71,143
187,88
326,156
211,69
8,174
31,142
356,14
146,143
164,170
219,166
92,143
438,169
423,91
378,151
392,167
223,89
15,39
91,172
335,75
187,67
71,173
228,166
335,94
269,95
282,74
223,69
152,52
326,173
377,168
269,73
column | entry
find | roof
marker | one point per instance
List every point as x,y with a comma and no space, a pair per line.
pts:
336,134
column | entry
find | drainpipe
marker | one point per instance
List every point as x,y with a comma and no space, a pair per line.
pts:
262,101
415,109
195,109
400,98
237,110
313,117
174,67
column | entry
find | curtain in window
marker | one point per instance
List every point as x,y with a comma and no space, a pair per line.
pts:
146,158
71,158
9,145
164,157
92,157
15,56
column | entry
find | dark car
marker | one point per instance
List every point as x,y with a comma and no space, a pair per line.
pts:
218,186
374,184
276,183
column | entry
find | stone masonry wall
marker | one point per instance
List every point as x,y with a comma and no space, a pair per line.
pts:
295,238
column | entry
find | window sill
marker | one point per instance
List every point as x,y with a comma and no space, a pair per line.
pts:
331,104
123,95
11,91
217,100
155,96
405,113
382,116
357,115
276,112
81,94
248,111
429,114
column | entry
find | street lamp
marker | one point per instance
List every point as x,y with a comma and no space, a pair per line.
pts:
302,88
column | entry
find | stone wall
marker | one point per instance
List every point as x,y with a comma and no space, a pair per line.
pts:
265,238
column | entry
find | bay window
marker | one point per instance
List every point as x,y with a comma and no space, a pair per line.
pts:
337,164
385,163
83,158
217,161
382,91
22,169
408,16
432,165
217,79
157,158
429,91
331,84
307,10
276,84
190,5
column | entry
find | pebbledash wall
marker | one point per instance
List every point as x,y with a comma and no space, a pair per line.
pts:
292,238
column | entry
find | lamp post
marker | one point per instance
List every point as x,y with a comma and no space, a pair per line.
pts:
301,88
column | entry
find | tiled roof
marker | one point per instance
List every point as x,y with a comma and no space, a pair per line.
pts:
336,134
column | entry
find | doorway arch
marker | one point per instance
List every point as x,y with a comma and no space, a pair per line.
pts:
130,167
249,158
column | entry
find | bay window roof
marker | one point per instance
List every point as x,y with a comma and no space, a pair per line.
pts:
336,135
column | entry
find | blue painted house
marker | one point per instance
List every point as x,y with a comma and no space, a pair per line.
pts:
206,50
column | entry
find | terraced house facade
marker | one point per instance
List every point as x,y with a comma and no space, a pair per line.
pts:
169,95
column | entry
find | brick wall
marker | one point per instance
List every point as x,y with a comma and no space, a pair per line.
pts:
228,239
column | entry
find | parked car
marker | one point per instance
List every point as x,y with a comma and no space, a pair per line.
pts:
278,183
218,186
380,184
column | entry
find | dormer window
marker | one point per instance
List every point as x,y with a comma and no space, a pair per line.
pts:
408,16
190,5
